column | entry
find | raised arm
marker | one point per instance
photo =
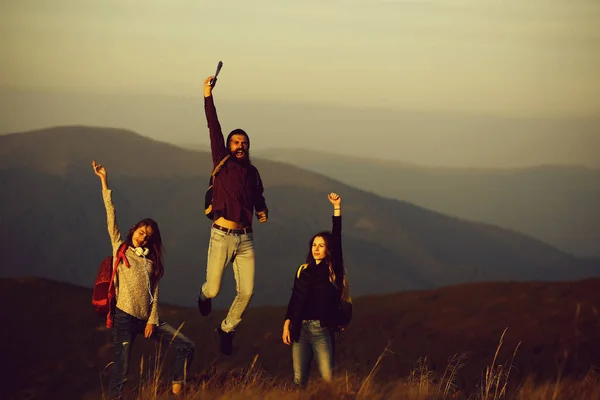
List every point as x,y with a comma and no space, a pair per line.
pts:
111,218
217,143
336,233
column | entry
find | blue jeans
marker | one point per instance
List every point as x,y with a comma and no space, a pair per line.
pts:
125,329
314,340
239,250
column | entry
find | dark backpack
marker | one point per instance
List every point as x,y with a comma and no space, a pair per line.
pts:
104,293
208,196
345,307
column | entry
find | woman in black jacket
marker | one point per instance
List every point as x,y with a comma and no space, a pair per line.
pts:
313,311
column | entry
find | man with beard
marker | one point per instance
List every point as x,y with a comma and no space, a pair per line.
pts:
237,192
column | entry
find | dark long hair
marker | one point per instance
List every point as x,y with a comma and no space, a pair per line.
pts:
328,260
154,244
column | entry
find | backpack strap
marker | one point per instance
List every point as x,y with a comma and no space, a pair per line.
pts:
300,269
120,257
218,167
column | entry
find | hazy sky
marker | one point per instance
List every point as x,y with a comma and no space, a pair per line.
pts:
507,57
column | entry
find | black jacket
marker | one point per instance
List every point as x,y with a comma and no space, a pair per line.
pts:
314,296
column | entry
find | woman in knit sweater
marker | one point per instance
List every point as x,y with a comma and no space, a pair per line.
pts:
312,314
139,264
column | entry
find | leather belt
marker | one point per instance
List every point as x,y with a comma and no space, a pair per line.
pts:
242,231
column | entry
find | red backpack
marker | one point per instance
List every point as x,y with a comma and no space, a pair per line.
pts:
104,293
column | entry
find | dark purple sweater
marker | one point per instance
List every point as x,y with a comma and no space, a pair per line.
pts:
237,189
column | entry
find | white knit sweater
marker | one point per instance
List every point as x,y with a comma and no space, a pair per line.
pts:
133,285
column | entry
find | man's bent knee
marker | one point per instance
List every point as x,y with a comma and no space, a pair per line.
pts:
209,291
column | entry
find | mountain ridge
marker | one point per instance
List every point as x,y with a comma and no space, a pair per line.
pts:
558,204
433,138
389,245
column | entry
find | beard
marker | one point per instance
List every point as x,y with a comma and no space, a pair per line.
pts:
243,160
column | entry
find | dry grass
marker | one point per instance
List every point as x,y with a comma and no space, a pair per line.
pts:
421,384
551,319
234,385
585,388
496,376
366,385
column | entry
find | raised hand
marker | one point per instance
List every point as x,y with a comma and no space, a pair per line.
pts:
334,199
207,86
99,170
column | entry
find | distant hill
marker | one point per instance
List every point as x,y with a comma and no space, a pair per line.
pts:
194,146
428,137
559,205
53,223
57,347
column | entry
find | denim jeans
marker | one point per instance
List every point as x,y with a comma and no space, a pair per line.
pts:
314,340
239,250
125,329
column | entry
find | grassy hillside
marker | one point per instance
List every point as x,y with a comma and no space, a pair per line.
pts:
57,347
52,222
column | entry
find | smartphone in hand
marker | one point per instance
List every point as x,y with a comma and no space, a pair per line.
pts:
219,66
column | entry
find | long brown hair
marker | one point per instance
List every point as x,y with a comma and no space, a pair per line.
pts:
154,244
327,238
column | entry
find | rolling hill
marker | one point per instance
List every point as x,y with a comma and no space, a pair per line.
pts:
52,222
559,205
427,137
57,347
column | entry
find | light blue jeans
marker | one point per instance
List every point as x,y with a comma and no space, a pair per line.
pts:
239,250
314,341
